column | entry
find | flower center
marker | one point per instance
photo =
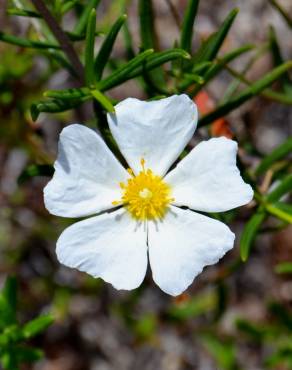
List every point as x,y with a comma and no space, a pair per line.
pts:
146,196
145,193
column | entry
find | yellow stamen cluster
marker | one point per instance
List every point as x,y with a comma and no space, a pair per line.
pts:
146,196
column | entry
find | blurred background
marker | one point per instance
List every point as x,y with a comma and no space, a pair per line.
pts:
236,315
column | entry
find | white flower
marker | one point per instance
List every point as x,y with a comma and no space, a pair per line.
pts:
144,203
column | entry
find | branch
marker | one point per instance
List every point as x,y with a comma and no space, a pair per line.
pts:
61,36
174,13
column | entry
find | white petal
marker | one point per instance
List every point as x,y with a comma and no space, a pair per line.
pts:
157,130
87,175
182,244
110,246
208,180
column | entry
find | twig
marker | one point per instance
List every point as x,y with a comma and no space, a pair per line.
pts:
61,37
174,13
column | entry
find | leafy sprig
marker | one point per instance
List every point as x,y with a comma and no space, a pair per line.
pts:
13,336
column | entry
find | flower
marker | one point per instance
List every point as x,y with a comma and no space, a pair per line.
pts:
143,204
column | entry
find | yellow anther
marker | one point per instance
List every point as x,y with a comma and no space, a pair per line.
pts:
146,196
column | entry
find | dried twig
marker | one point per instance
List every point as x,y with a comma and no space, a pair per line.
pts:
174,13
61,37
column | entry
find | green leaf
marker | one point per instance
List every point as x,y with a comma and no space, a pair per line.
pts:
190,79
284,187
222,351
83,19
36,326
211,46
254,331
227,58
278,212
107,46
146,326
81,36
8,303
249,233
14,356
282,314
138,65
277,154
280,359
187,28
55,106
146,18
9,360
246,94
23,12
141,63
10,39
152,85
284,207
278,60
200,68
194,307
68,5
283,98
9,293
6,315
123,73
57,56
28,355
157,59
149,40
201,54
35,170
103,100
284,268
68,94
218,65
275,48
89,49
128,42
145,61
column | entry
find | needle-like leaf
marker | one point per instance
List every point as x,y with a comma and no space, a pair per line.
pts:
83,20
55,106
123,73
211,46
23,12
146,18
246,94
26,43
89,49
283,188
249,233
277,154
107,46
188,25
